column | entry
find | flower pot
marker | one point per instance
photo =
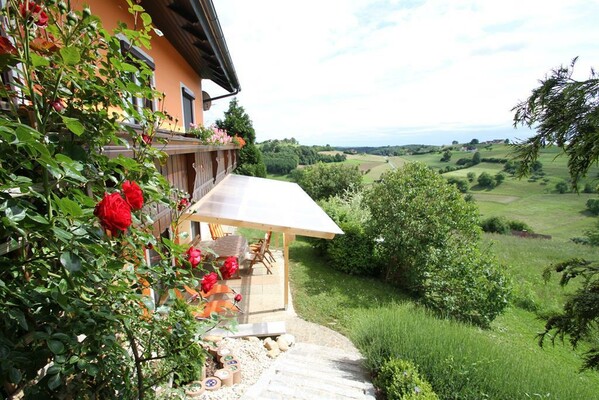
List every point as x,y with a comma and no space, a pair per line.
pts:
236,371
212,383
225,376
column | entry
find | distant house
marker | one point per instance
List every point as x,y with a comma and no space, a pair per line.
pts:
187,48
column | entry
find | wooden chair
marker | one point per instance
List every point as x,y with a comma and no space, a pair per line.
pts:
259,255
256,247
223,307
216,231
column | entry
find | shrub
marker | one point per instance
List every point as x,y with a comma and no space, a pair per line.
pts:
503,226
499,178
476,158
461,184
464,161
562,187
486,180
588,188
430,238
399,380
322,181
353,252
593,206
471,176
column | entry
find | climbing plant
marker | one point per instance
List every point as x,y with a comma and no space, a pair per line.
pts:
75,225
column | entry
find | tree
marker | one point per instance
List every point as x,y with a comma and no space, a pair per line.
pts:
238,122
471,176
429,243
454,142
486,180
562,187
474,141
563,111
499,178
476,158
461,184
446,156
322,181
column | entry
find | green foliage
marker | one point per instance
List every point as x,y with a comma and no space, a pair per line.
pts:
429,242
593,206
399,380
322,181
72,293
563,112
352,252
461,184
476,158
562,187
579,319
471,176
499,178
503,226
281,162
486,180
463,362
238,122
446,156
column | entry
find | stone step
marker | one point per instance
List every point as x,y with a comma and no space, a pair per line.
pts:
310,372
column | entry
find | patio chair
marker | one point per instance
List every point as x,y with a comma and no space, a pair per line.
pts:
216,231
256,246
259,255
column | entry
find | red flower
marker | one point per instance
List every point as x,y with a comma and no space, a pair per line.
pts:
229,267
146,139
208,281
114,213
238,297
58,105
29,9
6,47
133,195
183,203
194,256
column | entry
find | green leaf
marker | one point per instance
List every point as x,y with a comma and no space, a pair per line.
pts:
62,234
147,20
19,316
14,375
54,382
73,125
63,286
39,61
71,261
70,55
69,207
56,346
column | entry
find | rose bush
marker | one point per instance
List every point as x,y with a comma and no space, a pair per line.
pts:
194,256
114,213
208,281
229,268
133,195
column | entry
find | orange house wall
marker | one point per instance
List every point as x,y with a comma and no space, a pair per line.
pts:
172,69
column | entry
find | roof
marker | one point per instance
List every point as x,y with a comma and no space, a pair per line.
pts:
192,27
263,204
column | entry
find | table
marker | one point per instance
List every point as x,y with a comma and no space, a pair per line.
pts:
226,246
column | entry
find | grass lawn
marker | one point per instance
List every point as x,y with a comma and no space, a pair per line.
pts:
503,361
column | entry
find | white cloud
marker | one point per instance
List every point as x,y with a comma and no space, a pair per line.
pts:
355,72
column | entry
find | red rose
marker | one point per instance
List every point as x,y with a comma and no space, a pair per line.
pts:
133,195
58,105
114,213
183,203
146,139
229,267
238,297
29,9
6,46
194,256
208,281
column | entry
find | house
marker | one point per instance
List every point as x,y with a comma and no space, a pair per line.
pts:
187,46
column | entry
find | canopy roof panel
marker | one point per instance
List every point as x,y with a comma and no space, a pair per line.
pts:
263,204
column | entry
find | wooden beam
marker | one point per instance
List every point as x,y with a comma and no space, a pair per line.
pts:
287,239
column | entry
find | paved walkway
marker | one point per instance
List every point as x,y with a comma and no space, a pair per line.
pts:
323,364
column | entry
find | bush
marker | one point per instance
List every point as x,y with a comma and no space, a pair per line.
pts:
464,161
399,380
353,252
461,184
322,181
486,180
429,245
503,226
471,176
588,188
562,187
593,206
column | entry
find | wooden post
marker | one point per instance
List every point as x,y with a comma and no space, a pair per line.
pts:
287,239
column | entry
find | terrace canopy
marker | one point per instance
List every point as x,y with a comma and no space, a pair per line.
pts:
268,205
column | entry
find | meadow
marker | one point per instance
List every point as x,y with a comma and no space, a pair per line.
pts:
462,361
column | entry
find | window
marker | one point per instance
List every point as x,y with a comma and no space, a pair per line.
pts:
187,98
138,57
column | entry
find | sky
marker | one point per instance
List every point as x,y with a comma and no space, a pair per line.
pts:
375,73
